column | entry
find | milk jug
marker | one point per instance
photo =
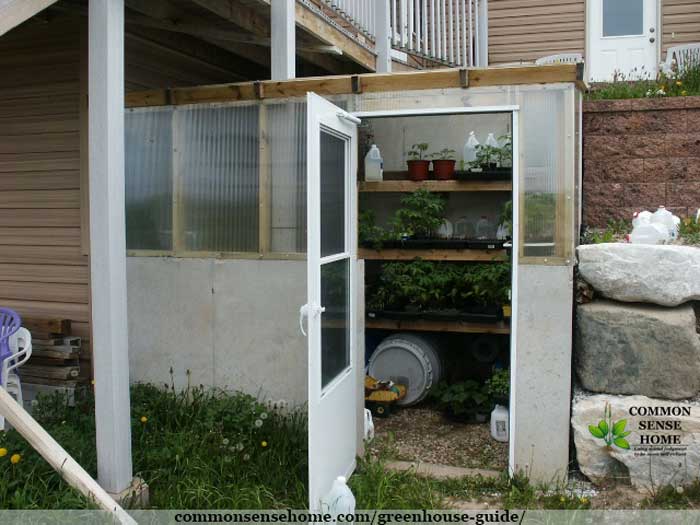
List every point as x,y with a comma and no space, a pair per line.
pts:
469,153
499,423
374,165
339,499
665,218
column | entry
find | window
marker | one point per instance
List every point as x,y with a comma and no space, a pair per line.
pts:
623,17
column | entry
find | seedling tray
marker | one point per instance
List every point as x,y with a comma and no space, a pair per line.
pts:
494,174
489,315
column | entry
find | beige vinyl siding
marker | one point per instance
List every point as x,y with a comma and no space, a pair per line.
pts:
680,23
524,30
42,270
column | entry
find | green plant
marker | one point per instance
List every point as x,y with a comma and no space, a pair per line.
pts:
689,230
418,150
462,399
485,155
498,385
505,152
421,213
368,232
647,84
485,284
611,433
444,154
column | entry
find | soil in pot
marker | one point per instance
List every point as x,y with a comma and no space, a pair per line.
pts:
418,169
444,169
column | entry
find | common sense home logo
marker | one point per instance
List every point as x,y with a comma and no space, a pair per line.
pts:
613,433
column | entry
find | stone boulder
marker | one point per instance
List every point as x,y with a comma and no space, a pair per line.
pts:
648,465
667,275
625,348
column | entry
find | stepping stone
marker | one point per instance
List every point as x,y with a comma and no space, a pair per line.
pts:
433,470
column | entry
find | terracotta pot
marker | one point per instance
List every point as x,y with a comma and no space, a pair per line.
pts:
418,169
444,169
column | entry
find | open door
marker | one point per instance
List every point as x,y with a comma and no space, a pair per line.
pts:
331,309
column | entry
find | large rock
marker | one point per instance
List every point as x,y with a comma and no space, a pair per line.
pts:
648,466
638,349
668,275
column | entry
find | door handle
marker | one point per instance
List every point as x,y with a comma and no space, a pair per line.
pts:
308,310
652,39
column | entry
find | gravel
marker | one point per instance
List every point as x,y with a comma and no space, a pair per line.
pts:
424,434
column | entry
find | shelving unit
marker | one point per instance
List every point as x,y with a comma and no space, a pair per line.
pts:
433,255
405,186
423,325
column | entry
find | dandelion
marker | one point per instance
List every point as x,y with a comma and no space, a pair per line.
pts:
144,419
3,452
240,447
263,416
15,458
263,444
225,441
684,93
246,457
258,423
281,404
584,500
679,490
679,83
562,499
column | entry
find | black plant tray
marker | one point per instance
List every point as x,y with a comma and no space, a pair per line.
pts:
485,244
491,174
439,244
488,315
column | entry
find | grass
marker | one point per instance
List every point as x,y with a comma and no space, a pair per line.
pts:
196,449
685,498
685,83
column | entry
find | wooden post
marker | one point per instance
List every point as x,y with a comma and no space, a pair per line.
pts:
108,244
283,44
383,35
58,458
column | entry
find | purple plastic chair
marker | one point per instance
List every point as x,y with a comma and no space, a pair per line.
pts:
10,322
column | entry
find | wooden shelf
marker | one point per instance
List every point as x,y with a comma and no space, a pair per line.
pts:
400,186
432,255
422,325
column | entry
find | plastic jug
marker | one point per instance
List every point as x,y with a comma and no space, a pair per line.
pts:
499,424
665,218
339,499
649,233
369,425
469,153
641,217
491,141
374,165
483,229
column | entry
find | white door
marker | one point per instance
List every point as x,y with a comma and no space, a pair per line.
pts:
331,307
622,37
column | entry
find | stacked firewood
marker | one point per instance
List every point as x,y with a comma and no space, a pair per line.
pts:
55,356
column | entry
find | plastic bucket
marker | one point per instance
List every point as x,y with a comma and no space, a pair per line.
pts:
410,360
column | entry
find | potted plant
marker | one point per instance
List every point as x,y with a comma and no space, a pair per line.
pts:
498,386
465,401
505,152
418,167
420,215
444,164
487,157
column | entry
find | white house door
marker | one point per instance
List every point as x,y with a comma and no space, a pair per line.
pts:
331,310
622,37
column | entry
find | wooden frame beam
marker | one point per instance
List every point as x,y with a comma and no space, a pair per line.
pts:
371,83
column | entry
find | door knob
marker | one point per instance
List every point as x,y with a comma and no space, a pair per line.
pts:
652,40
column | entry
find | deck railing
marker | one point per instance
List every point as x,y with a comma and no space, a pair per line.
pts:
445,31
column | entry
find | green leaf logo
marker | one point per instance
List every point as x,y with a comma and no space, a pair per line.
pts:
619,427
596,432
603,426
622,443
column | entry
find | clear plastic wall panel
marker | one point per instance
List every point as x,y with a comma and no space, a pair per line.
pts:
148,142
217,178
286,133
579,164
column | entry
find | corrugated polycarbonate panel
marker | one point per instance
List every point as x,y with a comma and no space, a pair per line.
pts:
148,178
287,138
217,168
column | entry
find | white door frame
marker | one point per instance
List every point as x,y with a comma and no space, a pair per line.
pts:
590,57
514,111
332,408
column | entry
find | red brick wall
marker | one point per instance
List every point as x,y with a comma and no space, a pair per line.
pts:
639,154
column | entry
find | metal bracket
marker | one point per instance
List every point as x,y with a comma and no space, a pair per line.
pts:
356,83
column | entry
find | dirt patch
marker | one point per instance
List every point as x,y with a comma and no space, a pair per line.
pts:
424,434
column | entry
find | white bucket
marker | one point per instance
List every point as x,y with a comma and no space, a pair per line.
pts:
410,360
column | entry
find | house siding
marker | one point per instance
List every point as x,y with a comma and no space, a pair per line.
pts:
680,23
525,30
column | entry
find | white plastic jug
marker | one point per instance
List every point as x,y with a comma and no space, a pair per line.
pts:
484,229
641,217
469,153
665,218
339,499
649,233
499,424
369,425
374,165
491,141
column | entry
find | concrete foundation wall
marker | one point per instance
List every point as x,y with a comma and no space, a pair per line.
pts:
233,324
541,401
